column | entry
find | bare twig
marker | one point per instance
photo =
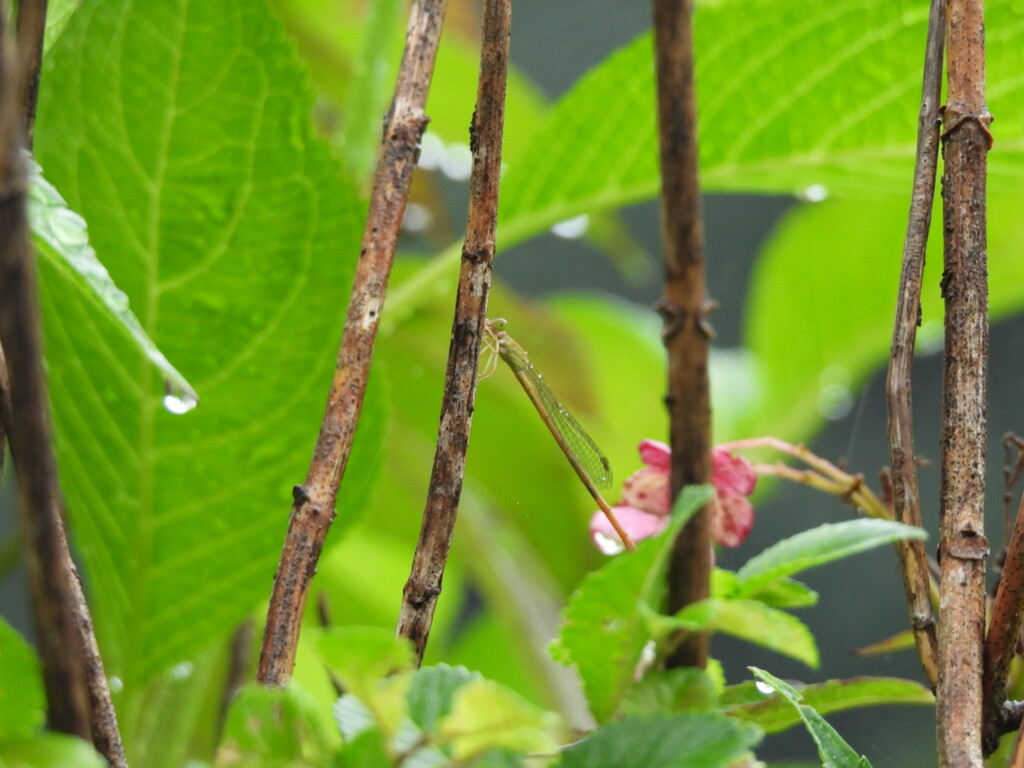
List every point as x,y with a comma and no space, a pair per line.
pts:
424,585
313,508
1001,638
905,493
31,26
685,306
962,544
76,685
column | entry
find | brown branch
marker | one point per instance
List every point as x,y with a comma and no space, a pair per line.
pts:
31,27
421,591
685,305
78,698
962,544
313,508
905,493
1001,638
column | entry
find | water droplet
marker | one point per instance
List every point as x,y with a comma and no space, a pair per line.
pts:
814,193
180,402
115,684
607,545
431,152
764,688
834,401
417,218
572,229
458,162
181,671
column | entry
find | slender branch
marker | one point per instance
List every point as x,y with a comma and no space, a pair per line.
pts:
76,685
313,508
685,305
31,26
905,494
1004,625
424,585
962,544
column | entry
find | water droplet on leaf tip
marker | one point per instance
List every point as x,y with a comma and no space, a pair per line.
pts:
180,402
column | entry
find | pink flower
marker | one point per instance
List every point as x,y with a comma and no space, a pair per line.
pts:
646,499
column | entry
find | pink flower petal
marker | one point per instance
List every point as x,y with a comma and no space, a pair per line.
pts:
638,524
732,472
655,454
648,490
732,520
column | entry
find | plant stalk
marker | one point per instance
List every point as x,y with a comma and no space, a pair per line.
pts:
963,548
421,592
313,508
905,493
78,698
684,306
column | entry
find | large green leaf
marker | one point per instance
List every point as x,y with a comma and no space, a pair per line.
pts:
832,749
830,99
817,546
664,741
61,237
50,750
753,621
774,713
22,702
605,625
179,131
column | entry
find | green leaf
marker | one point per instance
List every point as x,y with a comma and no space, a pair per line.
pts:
49,750
22,701
62,238
817,546
604,626
362,656
780,593
432,691
58,14
753,621
485,716
792,135
672,690
664,741
774,713
834,752
270,726
179,131
367,750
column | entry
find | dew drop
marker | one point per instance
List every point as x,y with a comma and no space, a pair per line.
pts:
181,671
814,193
115,684
608,545
180,402
764,688
572,229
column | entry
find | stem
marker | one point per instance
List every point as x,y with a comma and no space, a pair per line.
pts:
962,544
686,333
31,26
905,493
1001,639
313,509
78,698
419,598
